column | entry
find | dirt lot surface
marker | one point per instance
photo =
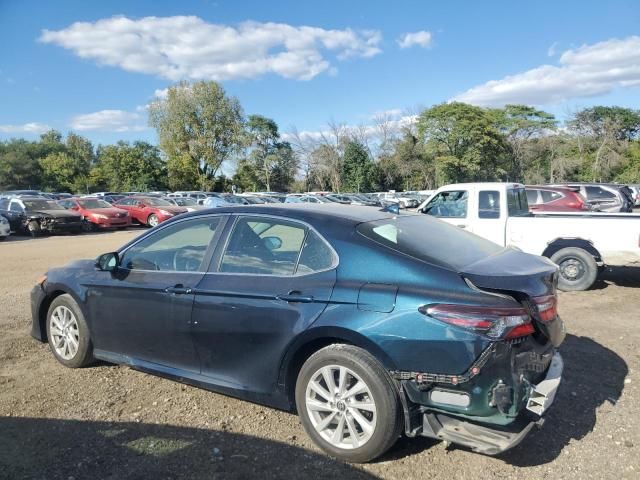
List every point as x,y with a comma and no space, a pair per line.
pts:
112,422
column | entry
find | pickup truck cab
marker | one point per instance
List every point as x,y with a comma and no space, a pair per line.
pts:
581,244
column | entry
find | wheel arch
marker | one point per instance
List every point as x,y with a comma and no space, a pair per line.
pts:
313,340
46,303
568,242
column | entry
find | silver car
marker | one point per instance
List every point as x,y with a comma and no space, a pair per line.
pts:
602,197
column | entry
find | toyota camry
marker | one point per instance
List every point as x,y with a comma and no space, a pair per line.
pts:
368,324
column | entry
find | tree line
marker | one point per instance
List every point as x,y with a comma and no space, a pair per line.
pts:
203,133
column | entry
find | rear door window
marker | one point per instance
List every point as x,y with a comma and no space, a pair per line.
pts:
450,204
263,246
489,204
549,196
532,196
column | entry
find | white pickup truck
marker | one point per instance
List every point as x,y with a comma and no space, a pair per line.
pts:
580,243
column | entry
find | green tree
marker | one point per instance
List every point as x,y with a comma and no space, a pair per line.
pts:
125,166
520,124
357,168
199,127
274,161
59,172
464,142
19,165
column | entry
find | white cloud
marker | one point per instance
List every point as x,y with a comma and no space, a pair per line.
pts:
421,39
586,71
32,127
109,121
551,51
187,47
161,93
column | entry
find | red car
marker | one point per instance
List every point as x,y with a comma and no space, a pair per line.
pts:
149,210
97,213
554,199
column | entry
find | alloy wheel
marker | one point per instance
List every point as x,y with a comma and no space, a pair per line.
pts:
64,332
341,407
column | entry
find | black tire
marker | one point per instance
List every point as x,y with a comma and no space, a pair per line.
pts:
88,227
389,420
84,353
33,227
153,220
578,269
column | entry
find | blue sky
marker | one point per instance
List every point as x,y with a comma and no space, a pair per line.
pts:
95,77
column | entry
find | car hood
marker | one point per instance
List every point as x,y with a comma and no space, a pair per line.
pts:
53,213
105,211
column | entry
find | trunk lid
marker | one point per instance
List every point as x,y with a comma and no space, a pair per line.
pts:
527,278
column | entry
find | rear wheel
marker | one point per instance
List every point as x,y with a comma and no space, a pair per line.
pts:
348,404
87,226
153,221
578,269
68,334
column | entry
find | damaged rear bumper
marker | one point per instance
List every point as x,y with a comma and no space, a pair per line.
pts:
484,438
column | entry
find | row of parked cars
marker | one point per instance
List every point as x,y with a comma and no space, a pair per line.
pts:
35,213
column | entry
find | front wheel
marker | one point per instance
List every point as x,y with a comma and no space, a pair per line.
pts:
578,269
347,403
33,227
68,334
87,226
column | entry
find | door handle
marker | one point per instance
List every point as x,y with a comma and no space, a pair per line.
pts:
178,290
296,297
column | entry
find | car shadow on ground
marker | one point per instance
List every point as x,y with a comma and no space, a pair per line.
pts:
621,276
593,375
63,449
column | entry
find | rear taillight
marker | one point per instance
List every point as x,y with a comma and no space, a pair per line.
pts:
547,307
494,322
577,202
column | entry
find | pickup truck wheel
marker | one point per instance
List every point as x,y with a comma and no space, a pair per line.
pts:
578,269
348,404
34,229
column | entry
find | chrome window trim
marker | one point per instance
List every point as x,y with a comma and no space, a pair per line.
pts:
334,264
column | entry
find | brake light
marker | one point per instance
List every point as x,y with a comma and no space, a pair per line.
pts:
577,202
494,322
547,307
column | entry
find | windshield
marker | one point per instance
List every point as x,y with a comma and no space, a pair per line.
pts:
93,203
41,205
232,199
155,202
429,240
185,202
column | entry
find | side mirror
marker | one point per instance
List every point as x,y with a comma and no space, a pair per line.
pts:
272,243
108,262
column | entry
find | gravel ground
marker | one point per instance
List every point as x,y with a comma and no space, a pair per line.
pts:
112,422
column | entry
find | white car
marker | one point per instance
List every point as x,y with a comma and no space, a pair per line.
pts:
579,243
5,229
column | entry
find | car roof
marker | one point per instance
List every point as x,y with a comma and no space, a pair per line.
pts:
308,212
452,186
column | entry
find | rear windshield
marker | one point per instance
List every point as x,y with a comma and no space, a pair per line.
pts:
517,202
430,240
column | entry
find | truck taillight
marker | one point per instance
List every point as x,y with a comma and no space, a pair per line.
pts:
494,322
547,307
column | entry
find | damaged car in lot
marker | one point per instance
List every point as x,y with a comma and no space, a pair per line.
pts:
353,318
37,215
